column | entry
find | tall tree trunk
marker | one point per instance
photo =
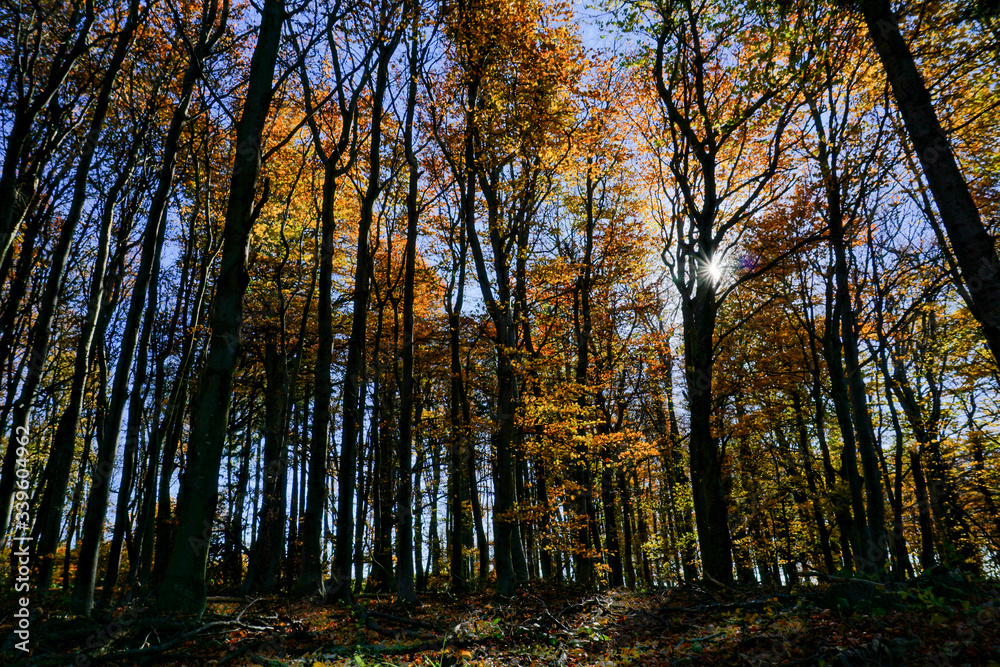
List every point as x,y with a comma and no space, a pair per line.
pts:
643,533
381,576
627,530
874,557
923,511
234,569
502,438
457,446
583,325
972,244
860,538
405,592
609,502
482,544
64,440
544,531
950,517
676,475
91,329
184,585
311,573
710,510
355,366
811,483
366,455
166,437
517,554
265,553
897,541
435,540
97,503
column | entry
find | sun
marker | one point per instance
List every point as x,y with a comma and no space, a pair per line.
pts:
714,270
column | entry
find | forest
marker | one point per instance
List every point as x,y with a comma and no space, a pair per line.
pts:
451,332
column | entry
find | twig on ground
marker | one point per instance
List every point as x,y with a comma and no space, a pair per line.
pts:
823,576
577,605
178,640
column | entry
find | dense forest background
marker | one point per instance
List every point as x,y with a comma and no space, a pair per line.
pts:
396,295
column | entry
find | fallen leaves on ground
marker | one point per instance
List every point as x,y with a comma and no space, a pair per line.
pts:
547,625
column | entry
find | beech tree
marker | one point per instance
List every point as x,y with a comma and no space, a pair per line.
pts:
184,584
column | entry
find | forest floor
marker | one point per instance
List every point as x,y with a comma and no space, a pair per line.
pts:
938,621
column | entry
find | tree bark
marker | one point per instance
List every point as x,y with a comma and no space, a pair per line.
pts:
61,453
184,585
972,244
406,595
355,367
267,548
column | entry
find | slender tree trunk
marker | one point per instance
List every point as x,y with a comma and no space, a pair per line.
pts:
609,501
404,504
981,484
97,503
418,500
64,440
236,525
860,538
90,330
502,438
814,494
265,553
311,573
544,539
184,585
166,519
676,475
435,540
874,557
627,513
73,523
366,455
949,515
457,446
972,244
518,558
166,437
356,345
482,544
381,578
923,512
643,532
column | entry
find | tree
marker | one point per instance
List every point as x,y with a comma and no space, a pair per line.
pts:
336,162
973,246
184,585
712,121
356,347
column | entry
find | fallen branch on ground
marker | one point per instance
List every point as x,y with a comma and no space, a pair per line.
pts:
144,651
